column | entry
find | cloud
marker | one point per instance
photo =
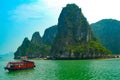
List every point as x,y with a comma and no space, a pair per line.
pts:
40,9
94,10
25,12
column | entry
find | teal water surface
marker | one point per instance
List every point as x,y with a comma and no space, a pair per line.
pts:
108,69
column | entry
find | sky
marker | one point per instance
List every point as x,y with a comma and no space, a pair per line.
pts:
21,18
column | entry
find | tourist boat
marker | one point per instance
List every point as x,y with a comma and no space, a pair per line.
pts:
21,65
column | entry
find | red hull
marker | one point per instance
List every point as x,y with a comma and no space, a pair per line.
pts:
20,65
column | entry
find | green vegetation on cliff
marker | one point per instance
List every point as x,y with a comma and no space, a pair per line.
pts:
71,38
33,49
75,38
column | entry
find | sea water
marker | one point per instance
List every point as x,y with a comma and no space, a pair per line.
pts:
106,69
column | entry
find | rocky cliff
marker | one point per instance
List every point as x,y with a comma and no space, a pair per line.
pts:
71,38
75,38
33,49
36,38
49,35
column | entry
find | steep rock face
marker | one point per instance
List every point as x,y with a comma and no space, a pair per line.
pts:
33,49
72,23
74,37
36,38
22,49
49,35
107,31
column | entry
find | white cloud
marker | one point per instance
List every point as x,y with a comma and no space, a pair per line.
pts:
27,11
94,10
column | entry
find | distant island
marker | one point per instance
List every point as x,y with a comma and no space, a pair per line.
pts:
71,38
107,31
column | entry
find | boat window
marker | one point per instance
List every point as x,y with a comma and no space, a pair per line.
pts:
11,65
17,64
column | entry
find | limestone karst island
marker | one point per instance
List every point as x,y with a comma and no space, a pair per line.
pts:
71,38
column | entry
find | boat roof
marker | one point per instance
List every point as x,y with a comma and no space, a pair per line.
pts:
19,62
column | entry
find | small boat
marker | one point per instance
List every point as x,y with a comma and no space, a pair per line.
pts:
21,65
